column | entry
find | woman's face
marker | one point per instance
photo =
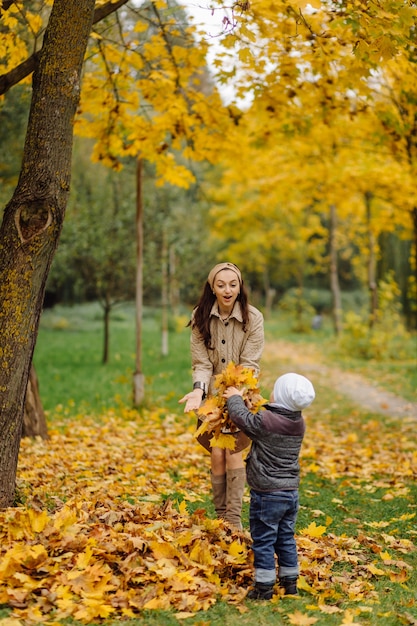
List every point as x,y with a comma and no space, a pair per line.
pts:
226,288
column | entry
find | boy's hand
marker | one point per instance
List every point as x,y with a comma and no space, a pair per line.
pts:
232,391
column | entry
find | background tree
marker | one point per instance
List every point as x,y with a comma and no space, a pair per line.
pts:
96,256
318,79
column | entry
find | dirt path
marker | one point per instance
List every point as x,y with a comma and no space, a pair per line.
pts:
306,359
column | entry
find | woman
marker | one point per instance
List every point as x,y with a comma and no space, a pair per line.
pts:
225,327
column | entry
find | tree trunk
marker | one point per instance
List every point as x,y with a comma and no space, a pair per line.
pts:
174,290
372,286
270,294
138,377
106,340
34,422
164,295
414,220
334,273
33,218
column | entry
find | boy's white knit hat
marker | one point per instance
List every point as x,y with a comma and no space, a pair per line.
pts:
293,392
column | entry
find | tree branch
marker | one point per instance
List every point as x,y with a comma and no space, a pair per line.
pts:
6,4
18,73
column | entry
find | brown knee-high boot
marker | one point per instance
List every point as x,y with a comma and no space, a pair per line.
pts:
218,485
236,480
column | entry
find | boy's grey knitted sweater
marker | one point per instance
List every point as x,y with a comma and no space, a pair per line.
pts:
276,434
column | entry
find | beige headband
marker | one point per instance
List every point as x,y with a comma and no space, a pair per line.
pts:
223,266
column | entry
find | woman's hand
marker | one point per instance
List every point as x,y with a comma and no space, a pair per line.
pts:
192,400
232,391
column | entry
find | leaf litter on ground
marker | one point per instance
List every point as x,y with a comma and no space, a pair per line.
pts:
113,521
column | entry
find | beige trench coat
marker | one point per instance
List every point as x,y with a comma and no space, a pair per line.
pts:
230,343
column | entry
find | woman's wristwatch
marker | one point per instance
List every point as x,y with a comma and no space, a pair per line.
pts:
199,385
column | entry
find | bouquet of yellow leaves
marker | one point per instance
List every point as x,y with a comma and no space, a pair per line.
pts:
213,412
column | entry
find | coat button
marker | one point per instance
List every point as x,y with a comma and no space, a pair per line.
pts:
223,340
223,360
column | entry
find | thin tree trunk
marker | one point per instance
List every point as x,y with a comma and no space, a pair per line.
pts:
334,273
164,295
138,377
270,294
173,288
414,220
372,286
107,310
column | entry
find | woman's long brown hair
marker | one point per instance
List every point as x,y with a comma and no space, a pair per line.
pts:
202,310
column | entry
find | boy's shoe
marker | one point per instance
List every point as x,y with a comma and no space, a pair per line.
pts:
289,585
261,591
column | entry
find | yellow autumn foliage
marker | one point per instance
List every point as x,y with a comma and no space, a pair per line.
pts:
213,412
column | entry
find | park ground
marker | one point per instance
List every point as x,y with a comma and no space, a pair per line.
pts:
114,522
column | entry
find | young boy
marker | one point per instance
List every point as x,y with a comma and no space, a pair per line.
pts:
273,474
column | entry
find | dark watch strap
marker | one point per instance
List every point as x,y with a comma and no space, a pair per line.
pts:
199,385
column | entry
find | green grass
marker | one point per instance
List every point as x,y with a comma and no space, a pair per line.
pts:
68,363
69,352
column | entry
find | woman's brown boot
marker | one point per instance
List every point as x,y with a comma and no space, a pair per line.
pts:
218,486
236,481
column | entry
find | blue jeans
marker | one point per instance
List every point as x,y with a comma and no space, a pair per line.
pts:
272,519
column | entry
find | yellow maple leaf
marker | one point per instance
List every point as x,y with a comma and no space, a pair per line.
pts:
65,598
64,518
375,570
183,508
30,556
313,530
303,584
238,552
162,550
405,516
84,558
201,553
159,602
38,520
92,608
223,441
186,538
300,619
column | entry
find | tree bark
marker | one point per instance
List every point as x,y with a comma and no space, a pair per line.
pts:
33,218
34,421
